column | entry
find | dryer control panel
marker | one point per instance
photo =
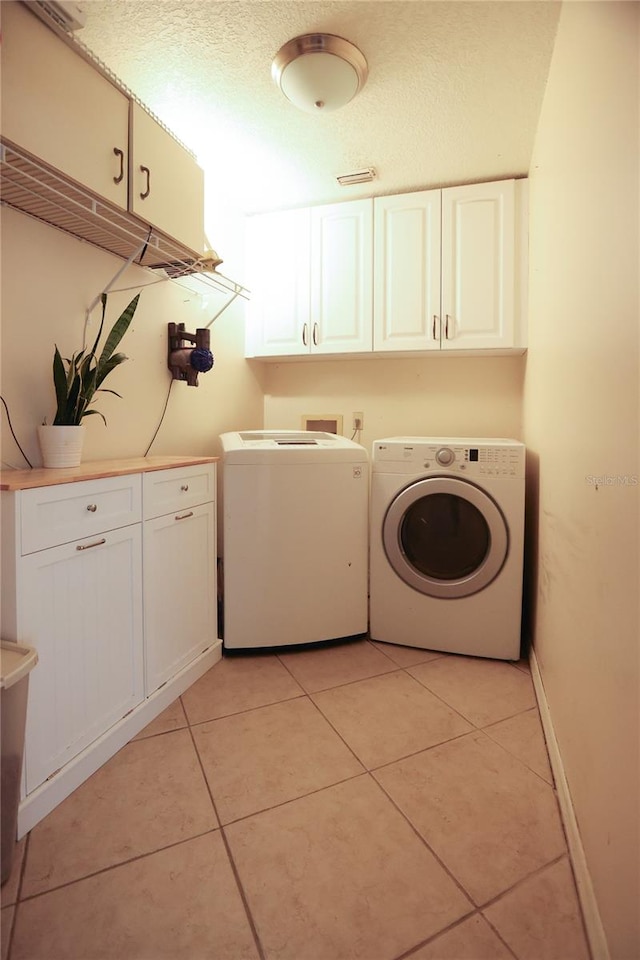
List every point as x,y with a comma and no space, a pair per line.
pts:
482,458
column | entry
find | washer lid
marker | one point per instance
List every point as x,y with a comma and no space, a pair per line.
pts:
267,446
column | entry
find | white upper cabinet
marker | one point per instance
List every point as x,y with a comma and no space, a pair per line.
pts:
278,262
61,110
449,269
435,270
341,277
478,266
167,185
407,272
310,276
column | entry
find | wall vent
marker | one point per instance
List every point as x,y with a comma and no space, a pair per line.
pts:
70,16
360,176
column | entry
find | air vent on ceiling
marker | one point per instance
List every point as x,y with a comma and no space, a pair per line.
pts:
360,176
70,16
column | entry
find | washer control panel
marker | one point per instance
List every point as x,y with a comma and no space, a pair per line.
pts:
473,458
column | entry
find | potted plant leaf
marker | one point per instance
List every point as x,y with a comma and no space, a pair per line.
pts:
77,379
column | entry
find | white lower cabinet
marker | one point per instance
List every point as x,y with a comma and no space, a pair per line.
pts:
83,614
179,585
113,581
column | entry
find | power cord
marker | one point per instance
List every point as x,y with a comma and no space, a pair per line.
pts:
4,402
166,404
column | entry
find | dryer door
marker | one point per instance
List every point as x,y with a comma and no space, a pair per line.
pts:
445,537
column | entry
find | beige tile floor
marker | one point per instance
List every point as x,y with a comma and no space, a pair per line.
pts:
354,801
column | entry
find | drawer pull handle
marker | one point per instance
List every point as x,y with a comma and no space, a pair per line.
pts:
92,507
87,546
183,516
184,487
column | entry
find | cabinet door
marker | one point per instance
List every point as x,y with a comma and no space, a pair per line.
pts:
167,185
57,107
406,298
342,277
277,260
179,563
80,607
478,242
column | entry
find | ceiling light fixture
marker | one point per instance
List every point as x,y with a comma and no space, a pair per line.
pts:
319,71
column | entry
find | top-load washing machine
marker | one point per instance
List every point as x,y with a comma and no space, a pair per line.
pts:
295,526
447,541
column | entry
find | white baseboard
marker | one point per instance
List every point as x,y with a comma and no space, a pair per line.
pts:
49,794
591,914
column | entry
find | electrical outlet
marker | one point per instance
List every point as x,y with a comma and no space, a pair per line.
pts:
358,421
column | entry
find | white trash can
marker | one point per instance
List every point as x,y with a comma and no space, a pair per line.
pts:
16,662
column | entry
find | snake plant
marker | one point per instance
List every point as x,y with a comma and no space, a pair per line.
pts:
77,379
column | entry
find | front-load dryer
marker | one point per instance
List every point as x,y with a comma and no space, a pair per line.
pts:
447,543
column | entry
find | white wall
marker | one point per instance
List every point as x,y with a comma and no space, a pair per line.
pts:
461,396
48,280
580,423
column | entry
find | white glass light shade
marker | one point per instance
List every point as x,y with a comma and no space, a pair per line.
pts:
319,71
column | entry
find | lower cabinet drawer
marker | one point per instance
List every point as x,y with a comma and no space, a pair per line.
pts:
70,511
167,490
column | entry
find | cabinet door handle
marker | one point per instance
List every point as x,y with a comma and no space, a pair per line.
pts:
87,546
305,332
315,334
183,516
184,487
433,328
446,327
145,193
119,153
92,507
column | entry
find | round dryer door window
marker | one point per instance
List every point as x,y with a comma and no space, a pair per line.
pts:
445,537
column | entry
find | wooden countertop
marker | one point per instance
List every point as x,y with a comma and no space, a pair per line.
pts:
92,470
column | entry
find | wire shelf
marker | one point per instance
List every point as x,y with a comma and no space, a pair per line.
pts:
32,187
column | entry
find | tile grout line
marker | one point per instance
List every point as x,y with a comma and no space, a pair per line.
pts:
452,926
18,900
240,713
227,846
426,844
551,785
460,714
114,866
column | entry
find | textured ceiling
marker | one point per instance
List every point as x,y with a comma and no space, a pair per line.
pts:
453,94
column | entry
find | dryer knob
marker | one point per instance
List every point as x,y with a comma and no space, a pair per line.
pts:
445,456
